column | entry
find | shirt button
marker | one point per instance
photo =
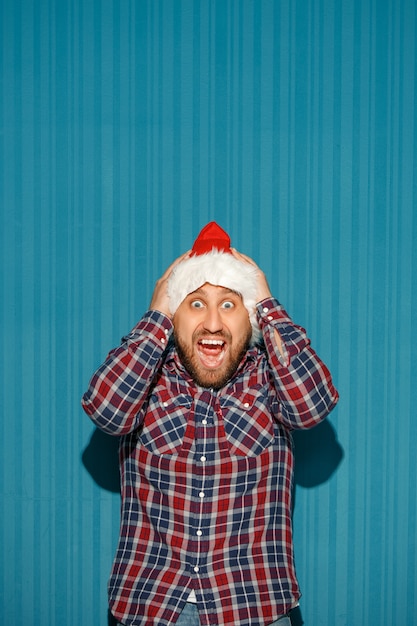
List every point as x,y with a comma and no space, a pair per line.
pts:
165,404
201,494
265,309
163,339
246,405
203,458
204,422
199,533
196,569
270,318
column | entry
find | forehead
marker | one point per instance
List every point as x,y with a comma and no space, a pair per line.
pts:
211,291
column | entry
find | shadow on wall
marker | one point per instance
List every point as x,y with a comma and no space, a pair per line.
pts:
317,456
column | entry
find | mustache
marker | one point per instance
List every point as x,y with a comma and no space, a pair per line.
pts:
204,334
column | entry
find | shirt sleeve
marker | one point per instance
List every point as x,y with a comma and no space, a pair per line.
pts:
303,383
119,387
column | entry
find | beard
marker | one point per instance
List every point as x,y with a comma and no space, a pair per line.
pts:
212,378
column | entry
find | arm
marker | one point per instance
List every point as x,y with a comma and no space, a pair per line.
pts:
303,383
119,388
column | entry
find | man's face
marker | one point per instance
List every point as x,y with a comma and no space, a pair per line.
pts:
212,331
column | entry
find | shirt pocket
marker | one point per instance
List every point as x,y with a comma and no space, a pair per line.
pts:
248,423
165,422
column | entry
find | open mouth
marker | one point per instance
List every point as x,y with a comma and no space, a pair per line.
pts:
211,352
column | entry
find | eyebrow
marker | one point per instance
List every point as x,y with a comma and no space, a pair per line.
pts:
225,291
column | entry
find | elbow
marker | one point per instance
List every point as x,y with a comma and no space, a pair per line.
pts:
111,420
320,411
308,415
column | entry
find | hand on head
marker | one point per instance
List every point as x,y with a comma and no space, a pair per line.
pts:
160,299
263,287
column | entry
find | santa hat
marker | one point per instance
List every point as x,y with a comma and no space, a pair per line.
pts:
211,261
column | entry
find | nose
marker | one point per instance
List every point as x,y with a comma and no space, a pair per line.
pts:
213,322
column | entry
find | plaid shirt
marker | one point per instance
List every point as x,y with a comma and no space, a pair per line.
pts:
207,475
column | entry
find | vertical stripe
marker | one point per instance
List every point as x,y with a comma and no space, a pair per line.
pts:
125,127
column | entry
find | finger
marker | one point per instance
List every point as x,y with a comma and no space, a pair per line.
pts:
168,271
243,257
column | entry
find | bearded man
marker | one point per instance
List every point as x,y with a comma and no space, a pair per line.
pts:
204,393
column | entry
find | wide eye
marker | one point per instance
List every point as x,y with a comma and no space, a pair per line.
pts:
228,304
196,304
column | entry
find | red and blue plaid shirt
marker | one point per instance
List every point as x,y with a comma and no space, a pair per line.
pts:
207,475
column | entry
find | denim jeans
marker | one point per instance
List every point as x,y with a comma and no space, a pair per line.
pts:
189,617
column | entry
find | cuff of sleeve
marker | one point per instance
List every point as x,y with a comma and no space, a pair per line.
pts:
154,325
270,310
272,316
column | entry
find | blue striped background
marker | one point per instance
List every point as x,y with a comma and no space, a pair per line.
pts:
125,127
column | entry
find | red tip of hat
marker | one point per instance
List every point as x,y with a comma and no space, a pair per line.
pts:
212,236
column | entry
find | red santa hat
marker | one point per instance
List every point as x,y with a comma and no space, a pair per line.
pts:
211,261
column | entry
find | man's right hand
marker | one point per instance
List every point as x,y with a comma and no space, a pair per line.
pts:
160,299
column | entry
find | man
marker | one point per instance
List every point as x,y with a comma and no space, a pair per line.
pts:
204,392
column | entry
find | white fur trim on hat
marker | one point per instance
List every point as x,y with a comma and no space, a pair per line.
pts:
219,269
